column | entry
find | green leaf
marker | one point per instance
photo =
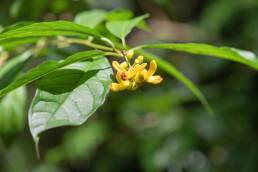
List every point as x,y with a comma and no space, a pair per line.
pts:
1,28
171,70
13,67
233,54
47,29
122,28
119,14
144,26
51,108
60,78
46,68
12,112
11,44
17,25
90,18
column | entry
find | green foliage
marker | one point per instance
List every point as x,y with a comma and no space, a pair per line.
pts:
119,14
47,29
12,112
122,28
233,54
47,68
55,105
70,90
83,145
171,70
13,67
90,18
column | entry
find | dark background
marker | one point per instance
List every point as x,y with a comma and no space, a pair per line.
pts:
156,128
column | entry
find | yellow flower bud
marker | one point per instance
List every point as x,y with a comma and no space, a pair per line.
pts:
155,79
138,60
129,54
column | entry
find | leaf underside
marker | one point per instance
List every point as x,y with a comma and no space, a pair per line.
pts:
52,108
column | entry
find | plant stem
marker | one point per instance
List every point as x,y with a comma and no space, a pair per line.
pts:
88,43
112,54
111,51
123,42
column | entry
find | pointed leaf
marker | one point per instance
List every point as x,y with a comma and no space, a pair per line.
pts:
51,108
11,44
119,14
241,56
46,68
122,28
90,18
46,29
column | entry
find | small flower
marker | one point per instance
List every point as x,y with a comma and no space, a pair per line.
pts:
148,75
121,85
130,77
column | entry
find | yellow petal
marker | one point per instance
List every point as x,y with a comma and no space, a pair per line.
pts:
135,69
118,67
133,86
155,79
139,78
118,77
139,60
119,87
124,65
152,69
144,71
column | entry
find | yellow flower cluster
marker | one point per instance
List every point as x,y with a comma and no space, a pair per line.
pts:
130,77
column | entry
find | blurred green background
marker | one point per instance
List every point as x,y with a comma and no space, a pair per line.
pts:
156,128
